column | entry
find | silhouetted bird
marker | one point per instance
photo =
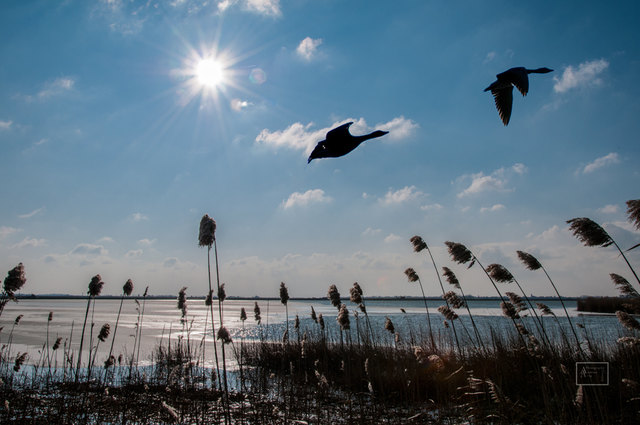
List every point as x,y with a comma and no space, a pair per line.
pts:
502,88
339,142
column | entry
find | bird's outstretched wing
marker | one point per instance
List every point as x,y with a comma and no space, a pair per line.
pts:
339,132
504,101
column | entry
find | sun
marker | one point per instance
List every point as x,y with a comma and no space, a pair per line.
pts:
210,73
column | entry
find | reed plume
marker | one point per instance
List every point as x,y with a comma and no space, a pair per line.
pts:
355,293
95,287
509,310
451,277
334,296
15,280
20,359
500,273
591,233
623,285
418,243
546,311
182,304
256,313
388,325
460,254
628,321
411,275
243,315
284,299
454,300
104,332
529,260
633,212
448,313
314,317
224,336
343,318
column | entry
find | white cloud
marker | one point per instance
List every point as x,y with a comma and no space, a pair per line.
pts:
138,217
608,209
32,213
56,87
170,262
134,253
496,207
263,7
106,239
239,105
306,198
399,196
519,168
431,207
490,56
6,231
5,125
603,161
369,231
89,249
301,137
308,47
30,242
481,183
146,242
399,128
496,181
586,74
391,238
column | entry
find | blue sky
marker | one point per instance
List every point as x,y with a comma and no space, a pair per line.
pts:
113,146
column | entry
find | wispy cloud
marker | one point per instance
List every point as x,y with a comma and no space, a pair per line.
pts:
300,136
489,57
391,238
493,208
136,217
263,7
30,242
56,87
239,105
89,249
134,253
609,159
106,239
32,213
5,125
399,196
146,242
308,48
311,196
608,209
6,231
496,181
431,207
586,74
370,231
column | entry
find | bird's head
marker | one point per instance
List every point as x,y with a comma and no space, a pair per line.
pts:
316,152
544,70
379,133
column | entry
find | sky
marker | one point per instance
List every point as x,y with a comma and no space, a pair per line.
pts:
123,122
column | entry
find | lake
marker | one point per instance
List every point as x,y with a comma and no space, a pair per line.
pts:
162,321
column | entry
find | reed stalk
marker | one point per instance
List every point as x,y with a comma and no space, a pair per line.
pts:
419,245
95,287
412,276
532,263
